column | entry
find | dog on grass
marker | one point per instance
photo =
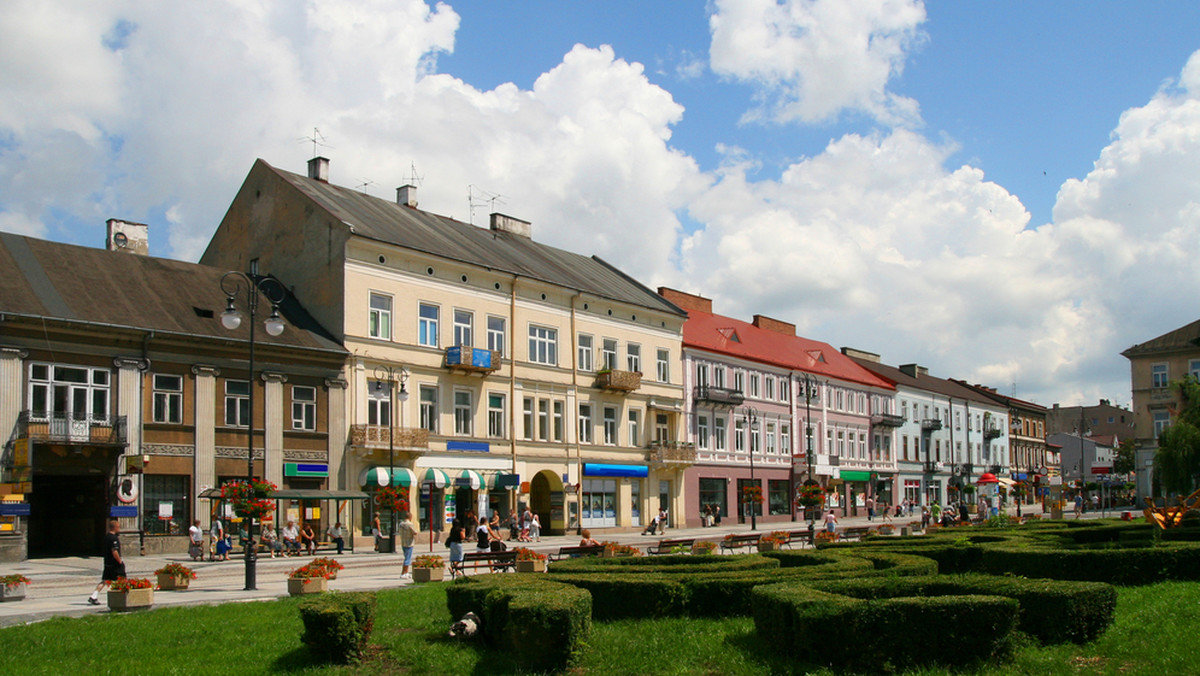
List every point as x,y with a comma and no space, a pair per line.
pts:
467,627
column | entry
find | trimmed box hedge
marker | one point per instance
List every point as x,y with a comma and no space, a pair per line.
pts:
541,623
338,625
829,629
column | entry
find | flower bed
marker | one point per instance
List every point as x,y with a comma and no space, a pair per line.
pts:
12,587
174,576
130,593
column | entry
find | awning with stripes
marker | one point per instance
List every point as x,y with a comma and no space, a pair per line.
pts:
439,478
381,476
474,477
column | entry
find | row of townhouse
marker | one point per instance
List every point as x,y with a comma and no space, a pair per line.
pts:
472,367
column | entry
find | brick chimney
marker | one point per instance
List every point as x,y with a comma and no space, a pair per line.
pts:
768,324
318,169
855,353
126,236
913,370
686,301
513,226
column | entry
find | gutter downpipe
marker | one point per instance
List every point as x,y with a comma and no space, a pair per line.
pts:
512,390
575,386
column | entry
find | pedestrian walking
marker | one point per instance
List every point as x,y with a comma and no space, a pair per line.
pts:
114,565
407,537
196,541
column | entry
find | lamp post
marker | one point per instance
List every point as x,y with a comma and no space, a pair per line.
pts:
247,286
392,375
808,455
751,417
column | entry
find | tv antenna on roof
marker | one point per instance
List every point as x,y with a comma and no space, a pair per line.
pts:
413,178
316,139
365,182
478,197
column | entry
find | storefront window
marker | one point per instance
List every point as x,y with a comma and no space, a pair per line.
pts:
598,503
165,508
712,492
777,497
635,498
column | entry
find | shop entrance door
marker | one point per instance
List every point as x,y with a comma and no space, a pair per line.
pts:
67,515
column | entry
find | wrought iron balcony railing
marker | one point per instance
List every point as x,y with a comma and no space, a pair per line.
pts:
68,428
992,433
675,453
377,436
931,425
718,395
887,420
472,359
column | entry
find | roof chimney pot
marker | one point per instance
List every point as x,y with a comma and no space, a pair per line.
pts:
406,196
318,169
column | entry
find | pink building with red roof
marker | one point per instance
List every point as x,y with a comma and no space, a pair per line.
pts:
746,413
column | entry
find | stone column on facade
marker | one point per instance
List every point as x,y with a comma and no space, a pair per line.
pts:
337,434
129,405
12,360
204,470
272,427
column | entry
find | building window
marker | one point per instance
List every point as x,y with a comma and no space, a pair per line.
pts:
610,425
1162,420
75,391
427,325
609,354
429,408
159,489
1158,375
702,432
784,394
718,374
496,419
304,408
558,421
753,385
381,317
237,403
769,385
585,423
462,413
544,419
958,420
664,366
633,357
777,497
739,436
904,445
635,425
719,434
585,353
662,429
527,417
770,436
543,345
712,492
1193,369
168,399
464,323
785,439
379,405
495,334
739,381
702,375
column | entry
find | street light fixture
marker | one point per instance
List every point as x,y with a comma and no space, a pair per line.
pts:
751,417
808,455
247,286
392,375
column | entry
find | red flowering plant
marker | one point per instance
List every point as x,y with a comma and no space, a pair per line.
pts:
176,570
250,499
331,566
752,495
309,571
391,499
773,539
14,580
526,554
124,584
810,495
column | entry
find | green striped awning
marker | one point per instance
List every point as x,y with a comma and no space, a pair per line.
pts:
439,478
381,476
474,477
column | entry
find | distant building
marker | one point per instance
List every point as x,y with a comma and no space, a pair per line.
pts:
1103,419
1153,366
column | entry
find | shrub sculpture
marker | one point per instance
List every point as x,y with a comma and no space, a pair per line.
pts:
337,626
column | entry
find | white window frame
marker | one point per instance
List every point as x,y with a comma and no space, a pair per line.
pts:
754,386
664,366
585,423
556,419
304,408
702,432
168,398
543,345
718,376
1159,375
633,357
718,433
379,320
427,326
635,428
586,347
739,381
543,419
379,405
527,417
608,354
497,420
428,407
610,425
768,388
496,330
464,327
237,404
462,412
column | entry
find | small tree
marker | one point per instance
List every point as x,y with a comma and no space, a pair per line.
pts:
1126,460
1177,462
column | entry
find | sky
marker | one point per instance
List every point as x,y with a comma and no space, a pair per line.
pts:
1005,193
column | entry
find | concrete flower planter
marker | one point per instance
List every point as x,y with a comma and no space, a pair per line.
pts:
531,566
133,599
13,593
298,586
168,582
768,546
428,574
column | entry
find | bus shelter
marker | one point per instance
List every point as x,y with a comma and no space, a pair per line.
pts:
318,507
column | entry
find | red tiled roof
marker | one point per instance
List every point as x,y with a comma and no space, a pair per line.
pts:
725,335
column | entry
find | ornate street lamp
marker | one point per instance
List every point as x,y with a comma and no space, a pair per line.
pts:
392,375
808,454
751,417
237,285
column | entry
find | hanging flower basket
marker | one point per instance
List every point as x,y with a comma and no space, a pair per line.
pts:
752,495
250,499
810,495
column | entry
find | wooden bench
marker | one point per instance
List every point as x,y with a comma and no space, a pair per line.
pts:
577,550
666,545
853,532
799,536
494,561
735,542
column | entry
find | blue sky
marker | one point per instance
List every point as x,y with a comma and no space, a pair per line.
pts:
998,191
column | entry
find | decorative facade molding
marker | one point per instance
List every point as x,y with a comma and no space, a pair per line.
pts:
273,377
139,363
237,452
336,383
14,352
178,450
316,456
205,370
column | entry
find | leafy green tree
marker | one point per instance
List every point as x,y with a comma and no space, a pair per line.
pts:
1125,461
1177,462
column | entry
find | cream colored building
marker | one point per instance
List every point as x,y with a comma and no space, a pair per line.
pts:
531,375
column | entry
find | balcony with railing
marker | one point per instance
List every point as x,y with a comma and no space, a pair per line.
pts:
618,381
473,360
377,437
674,454
931,425
887,420
992,433
67,428
722,396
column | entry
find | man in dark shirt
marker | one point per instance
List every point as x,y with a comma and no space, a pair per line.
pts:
114,565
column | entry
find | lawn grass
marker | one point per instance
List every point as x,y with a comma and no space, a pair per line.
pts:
1153,634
